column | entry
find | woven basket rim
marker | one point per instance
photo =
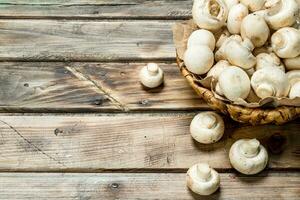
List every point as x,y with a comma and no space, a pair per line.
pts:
254,116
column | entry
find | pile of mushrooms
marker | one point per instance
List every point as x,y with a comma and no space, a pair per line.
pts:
246,45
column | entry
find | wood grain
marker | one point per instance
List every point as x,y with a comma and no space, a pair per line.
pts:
92,87
58,40
165,9
87,143
272,185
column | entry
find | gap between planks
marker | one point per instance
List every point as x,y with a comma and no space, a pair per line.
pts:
148,142
268,185
105,9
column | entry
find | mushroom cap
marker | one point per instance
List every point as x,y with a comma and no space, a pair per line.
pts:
292,63
248,156
281,13
270,81
207,127
231,3
256,29
234,83
220,53
268,60
239,54
202,37
286,42
293,76
217,69
295,91
221,37
235,16
253,5
198,59
209,14
151,75
202,179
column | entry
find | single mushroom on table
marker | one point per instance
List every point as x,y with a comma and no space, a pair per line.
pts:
235,16
198,59
255,28
268,60
286,42
248,156
202,37
151,75
202,179
207,127
294,81
210,14
270,82
281,13
234,83
253,5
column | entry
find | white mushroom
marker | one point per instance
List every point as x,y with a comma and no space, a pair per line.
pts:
235,16
240,53
281,13
248,156
292,63
253,5
202,179
294,81
268,60
217,69
256,29
270,81
231,3
295,91
202,37
220,54
210,14
234,83
198,59
286,42
221,37
151,75
207,127
264,49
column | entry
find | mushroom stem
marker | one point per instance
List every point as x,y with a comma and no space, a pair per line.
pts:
152,69
265,90
204,171
250,148
209,121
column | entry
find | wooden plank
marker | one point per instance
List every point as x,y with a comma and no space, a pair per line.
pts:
272,185
123,142
79,87
165,9
57,40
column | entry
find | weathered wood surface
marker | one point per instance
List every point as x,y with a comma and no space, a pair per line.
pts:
86,143
45,40
272,185
78,87
165,9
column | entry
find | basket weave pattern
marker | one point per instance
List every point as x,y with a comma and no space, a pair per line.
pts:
254,116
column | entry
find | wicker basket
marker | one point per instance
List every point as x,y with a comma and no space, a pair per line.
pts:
254,116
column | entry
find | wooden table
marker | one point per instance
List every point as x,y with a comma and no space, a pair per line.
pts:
76,124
